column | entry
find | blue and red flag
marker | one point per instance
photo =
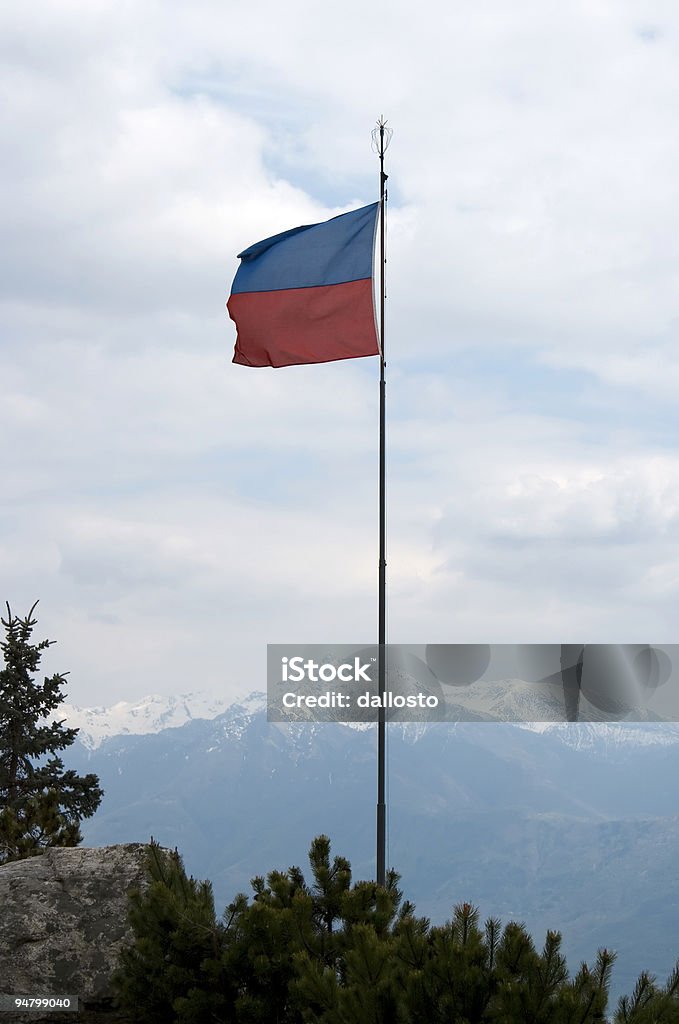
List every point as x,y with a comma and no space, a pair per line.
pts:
306,295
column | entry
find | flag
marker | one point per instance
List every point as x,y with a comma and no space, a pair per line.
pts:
306,295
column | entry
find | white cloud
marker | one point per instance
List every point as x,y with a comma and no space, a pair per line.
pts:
166,505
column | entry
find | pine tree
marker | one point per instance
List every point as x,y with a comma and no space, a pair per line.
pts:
167,970
41,804
333,952
649,1004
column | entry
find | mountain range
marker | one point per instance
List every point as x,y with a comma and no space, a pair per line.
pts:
569,826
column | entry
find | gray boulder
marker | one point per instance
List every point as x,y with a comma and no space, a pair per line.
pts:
63,919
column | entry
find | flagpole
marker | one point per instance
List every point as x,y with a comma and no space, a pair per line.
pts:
381,138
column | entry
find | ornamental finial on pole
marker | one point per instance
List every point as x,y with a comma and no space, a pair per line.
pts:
381,137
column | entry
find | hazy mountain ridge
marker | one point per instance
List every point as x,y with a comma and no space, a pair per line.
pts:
155,713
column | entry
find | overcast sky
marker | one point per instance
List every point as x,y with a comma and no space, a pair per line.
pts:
174,512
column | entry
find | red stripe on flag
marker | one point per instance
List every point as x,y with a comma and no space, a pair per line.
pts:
304,325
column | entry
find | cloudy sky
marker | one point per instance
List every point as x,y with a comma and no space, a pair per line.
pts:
174,512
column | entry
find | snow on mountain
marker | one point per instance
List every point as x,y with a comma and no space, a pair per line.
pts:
152,714
539,708
502,701
588,735
507,700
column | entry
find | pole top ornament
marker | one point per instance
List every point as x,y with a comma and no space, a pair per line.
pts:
381,136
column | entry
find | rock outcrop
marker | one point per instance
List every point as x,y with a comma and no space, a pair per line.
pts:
63,919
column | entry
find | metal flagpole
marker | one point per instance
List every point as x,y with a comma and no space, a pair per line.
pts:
381,138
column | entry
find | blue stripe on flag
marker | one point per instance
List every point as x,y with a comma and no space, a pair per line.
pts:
333,252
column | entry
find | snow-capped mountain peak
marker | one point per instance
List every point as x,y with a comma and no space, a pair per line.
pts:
151,714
